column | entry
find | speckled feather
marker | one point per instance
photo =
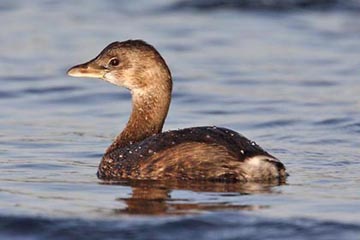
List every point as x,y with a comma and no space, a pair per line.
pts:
210,153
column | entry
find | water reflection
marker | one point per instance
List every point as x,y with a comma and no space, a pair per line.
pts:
154,197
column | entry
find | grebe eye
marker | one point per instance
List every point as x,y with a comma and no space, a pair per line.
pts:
114,62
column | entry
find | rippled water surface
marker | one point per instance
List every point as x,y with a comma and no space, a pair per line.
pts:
283,73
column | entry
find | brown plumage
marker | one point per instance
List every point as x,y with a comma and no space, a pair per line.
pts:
142,151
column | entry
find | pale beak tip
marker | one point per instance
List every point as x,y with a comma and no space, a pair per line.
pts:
74,72
69,72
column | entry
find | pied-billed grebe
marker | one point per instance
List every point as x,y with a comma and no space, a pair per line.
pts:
143,151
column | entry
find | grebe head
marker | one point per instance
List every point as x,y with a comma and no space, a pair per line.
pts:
135,65
132,64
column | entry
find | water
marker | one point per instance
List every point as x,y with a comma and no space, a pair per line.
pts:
282,73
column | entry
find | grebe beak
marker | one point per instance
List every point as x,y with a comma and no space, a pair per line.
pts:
88,69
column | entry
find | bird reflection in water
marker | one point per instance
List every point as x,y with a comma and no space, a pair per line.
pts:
154,197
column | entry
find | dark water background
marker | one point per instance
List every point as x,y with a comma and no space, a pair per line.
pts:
284,73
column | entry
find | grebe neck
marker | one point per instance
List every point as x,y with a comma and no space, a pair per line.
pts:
149,110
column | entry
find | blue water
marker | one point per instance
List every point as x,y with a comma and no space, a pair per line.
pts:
283,73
